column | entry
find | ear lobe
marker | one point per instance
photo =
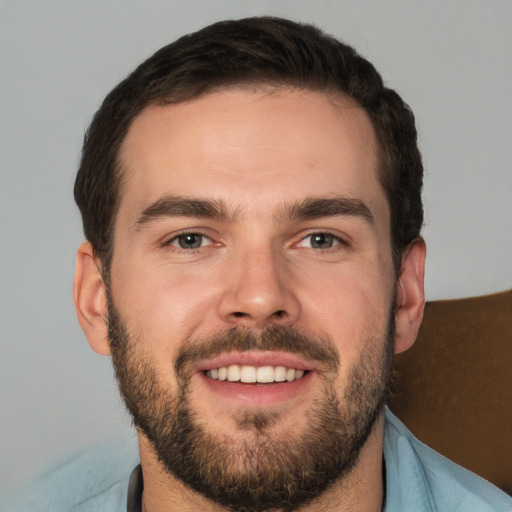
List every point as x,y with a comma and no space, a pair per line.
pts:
410,296
89,295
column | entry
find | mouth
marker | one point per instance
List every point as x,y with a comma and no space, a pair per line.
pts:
255,374
256,379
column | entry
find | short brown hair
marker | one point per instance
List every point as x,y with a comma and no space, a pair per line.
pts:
261,51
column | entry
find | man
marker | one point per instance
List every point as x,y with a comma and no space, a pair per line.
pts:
251,202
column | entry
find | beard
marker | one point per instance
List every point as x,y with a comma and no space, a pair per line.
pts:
255,471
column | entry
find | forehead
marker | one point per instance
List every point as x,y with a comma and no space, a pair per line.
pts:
251,147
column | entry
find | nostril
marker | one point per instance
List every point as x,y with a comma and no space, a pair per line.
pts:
276,315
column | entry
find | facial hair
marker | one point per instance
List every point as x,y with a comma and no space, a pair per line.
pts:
261,472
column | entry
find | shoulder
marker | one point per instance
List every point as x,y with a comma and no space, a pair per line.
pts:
418,476
95,479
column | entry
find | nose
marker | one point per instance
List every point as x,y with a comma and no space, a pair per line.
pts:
258,291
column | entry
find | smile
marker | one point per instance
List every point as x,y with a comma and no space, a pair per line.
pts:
256,378
255,374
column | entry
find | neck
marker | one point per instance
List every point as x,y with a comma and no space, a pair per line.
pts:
360,490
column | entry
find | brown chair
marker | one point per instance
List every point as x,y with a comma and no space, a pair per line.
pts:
453,388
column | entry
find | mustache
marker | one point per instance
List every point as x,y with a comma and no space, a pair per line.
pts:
271,338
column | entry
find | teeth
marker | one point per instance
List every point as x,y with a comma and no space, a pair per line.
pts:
248,374
279,373
254,374
234,373
265,374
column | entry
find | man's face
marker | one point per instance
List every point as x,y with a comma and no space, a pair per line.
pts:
253,241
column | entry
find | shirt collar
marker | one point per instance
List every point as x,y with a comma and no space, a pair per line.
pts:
135,488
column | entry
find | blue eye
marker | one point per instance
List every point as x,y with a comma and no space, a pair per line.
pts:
190,241
320,240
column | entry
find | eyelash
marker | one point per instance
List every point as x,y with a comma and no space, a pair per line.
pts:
170,242
336,240
173,242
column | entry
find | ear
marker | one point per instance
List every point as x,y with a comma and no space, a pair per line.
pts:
410,296
90,297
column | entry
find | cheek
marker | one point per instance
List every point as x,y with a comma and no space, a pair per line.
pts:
350,306
166,304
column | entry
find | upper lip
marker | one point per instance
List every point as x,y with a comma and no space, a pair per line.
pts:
252,358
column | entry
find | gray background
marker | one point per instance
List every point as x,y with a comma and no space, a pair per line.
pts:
450,60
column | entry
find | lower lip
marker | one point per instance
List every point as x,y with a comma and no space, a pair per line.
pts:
256,394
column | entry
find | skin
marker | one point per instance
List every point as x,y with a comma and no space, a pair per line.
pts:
258,153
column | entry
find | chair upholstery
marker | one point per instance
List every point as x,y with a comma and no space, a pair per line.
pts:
453,388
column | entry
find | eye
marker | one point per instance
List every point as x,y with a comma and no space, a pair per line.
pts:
320,241
190,241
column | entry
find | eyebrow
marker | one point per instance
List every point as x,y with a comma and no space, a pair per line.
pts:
314,208
310,208
176,206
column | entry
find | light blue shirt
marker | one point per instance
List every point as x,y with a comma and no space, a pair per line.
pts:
421,480
418,480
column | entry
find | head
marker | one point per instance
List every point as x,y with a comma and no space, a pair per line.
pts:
251,199
252,53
